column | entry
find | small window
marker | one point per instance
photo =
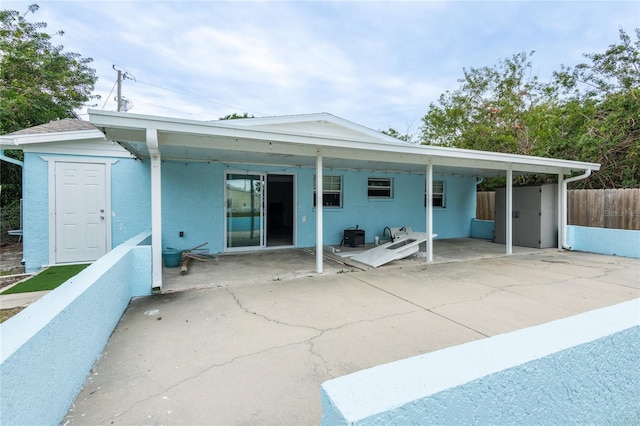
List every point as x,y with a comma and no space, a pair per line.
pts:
331,191
379,188
438,194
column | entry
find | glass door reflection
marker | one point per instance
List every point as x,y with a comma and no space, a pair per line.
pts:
245,215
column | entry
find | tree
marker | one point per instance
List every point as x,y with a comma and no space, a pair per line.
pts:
39,82
613,72
608,88
395,134
236,116
587,113
492,109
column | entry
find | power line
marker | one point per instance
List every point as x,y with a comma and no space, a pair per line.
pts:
124,74
109,95
164,107
196,97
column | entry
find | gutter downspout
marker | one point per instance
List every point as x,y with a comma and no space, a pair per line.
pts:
21,165
585,175
156,209
10,160
509,211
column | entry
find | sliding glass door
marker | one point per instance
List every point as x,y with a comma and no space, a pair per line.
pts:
245,210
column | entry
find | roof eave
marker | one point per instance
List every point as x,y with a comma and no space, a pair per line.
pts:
17,141
416,154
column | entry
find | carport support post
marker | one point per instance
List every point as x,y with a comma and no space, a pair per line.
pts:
560,211
429,212
319,208
156,209
509,207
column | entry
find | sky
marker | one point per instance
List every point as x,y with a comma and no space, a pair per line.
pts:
377,63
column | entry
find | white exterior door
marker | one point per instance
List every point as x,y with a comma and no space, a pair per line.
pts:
80,212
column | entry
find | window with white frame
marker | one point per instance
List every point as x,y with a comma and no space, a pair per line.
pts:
331,191
437,194
379,187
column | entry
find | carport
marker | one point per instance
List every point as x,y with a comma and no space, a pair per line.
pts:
313,140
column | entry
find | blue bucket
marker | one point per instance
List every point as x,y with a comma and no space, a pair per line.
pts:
171,257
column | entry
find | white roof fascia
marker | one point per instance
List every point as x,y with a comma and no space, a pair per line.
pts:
101,118
417,154
319,117
74,135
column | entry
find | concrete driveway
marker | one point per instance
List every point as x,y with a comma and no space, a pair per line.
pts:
257,353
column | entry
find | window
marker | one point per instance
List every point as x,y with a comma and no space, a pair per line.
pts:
438,194
331,191
379,188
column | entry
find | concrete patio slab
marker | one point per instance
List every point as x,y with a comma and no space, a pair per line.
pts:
256,351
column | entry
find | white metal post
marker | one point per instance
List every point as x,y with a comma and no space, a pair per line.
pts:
509,208
319,208
560,195
156,208
429,212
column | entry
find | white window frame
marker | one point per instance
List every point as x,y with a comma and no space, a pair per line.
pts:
438,194
388,187
328,188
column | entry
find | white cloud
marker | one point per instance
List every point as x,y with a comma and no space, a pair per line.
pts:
376,63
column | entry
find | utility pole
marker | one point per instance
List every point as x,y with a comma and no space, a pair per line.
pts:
119,95
123,104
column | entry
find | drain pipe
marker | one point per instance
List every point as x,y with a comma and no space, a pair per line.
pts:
10,160
585,175
156,209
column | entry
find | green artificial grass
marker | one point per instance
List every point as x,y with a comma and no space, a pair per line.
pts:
48,279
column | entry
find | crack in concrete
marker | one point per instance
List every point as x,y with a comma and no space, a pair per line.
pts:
199,373
318,355
309,341
347,324
266,318
423,307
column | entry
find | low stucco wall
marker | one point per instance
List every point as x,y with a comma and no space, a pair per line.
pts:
49,348
482,229
617,242
578,370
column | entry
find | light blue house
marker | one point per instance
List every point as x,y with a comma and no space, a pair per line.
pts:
247,184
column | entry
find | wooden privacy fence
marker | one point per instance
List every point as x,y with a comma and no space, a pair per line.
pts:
603,208
486,205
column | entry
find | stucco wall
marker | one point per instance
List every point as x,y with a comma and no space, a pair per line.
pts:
130,204
483,229
405,209
130,199
578,370
193,202
49,348
618,242
35,194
